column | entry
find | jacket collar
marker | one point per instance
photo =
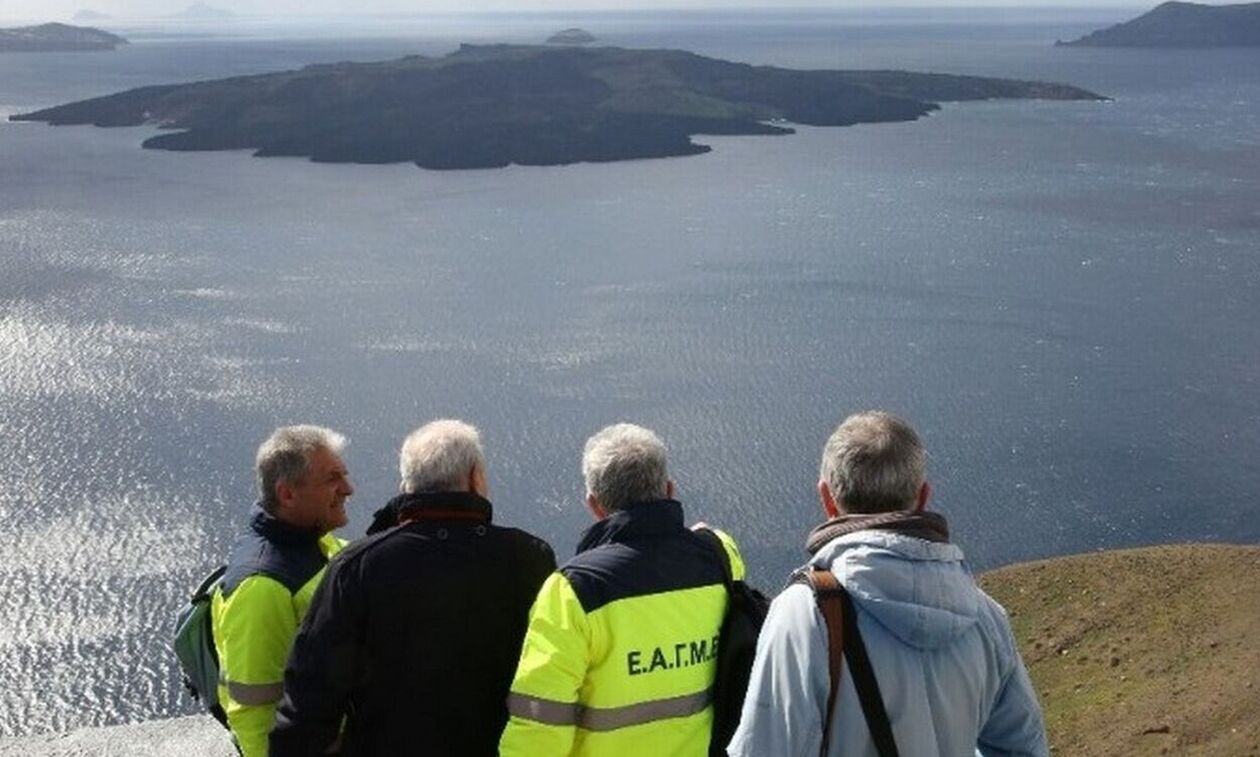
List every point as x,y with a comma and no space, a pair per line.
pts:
440,506
277,531
644,519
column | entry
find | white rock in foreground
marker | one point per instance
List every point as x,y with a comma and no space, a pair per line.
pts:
195,736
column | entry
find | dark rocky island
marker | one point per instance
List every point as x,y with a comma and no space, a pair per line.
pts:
1177,24
571,37
490,106
56,38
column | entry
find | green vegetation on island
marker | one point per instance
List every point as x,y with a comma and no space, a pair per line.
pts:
1178,24
1142,652
46,38
490,106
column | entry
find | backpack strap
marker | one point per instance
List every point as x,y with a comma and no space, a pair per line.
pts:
864,679
715,541
844,638
206,588
827,592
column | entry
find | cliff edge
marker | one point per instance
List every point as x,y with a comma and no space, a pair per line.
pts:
1134,652
194,736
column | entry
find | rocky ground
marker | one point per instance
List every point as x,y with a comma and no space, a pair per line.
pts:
177,737
1139,652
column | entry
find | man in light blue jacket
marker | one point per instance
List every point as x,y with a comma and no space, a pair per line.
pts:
948,669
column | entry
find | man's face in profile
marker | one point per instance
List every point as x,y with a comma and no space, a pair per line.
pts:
318,500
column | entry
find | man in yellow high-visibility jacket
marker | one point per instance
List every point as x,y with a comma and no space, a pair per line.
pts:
621,649
273,572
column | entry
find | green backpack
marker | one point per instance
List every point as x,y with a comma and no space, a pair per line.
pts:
194,646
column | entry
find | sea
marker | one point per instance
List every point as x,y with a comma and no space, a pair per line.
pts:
1062,297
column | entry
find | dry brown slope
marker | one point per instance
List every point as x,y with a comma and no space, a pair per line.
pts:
1142,652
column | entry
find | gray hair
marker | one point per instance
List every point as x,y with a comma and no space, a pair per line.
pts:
286,454
874,463
438,456
624,465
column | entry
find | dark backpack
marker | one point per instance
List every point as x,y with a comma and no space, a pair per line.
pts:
194,646
737,646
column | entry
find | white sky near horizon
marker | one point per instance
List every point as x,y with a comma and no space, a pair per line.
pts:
64,10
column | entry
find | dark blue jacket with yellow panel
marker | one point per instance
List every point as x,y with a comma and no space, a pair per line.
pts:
271,577
621,649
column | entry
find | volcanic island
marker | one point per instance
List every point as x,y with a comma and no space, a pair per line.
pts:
486,106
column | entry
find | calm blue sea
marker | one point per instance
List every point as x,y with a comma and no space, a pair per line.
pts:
1061,296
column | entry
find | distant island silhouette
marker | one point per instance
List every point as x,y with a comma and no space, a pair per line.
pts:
46,38
203,12
1177,24
571,37
88,15
491,106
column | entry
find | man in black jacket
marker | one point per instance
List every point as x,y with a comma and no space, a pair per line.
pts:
415,632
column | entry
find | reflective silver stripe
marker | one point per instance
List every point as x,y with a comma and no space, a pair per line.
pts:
542,710
612,718
606,718
255,693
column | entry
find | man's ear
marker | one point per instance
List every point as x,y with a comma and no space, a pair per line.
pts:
477,482
597,510
284,493
669,489
829,505
921,499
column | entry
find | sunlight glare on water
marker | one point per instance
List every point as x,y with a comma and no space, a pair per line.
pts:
1060,296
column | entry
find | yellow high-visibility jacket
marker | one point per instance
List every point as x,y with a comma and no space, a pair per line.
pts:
621,649
271,577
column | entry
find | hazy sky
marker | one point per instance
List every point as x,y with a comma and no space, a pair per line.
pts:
64,9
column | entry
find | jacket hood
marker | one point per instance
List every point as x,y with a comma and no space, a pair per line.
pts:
920,591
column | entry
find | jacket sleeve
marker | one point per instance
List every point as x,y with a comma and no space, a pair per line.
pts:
255,628
322,668
542,703
787,690
1015,727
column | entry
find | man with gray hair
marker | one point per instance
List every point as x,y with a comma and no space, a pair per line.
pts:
950,680
621,651
273,571
413,637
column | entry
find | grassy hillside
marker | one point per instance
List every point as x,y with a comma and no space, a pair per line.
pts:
1142,652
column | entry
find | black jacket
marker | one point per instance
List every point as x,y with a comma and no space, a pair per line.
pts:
414,635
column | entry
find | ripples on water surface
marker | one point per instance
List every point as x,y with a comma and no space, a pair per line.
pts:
1062,296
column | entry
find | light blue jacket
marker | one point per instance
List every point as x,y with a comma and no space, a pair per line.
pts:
942,650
